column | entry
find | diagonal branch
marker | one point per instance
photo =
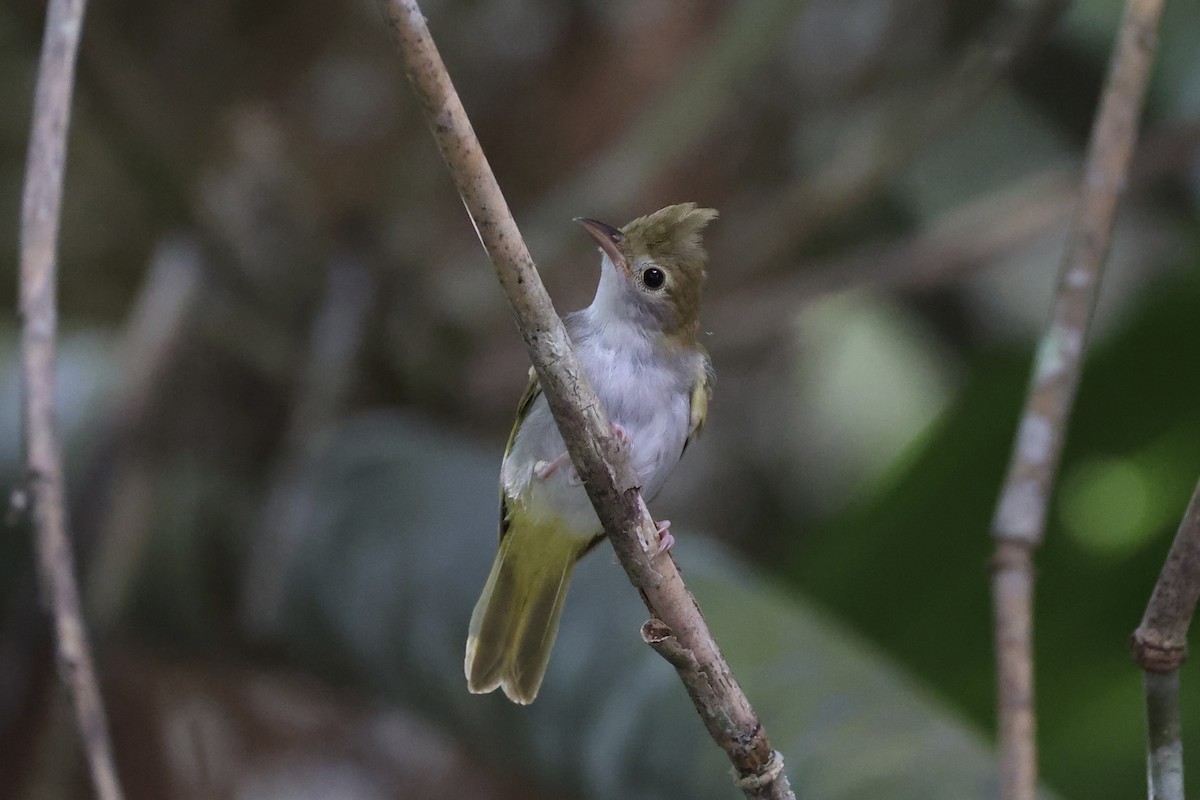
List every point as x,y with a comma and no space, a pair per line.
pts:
43,495
869,158
1160,647
611,483
1020,518
675,120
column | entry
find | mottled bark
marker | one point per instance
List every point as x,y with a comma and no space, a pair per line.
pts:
604,467
42,497
1020,518
1160,648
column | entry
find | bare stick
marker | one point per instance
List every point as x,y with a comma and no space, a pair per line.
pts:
164,313
43,495
326,381
1164,736
1160,647
678,117
610,482
873,155
1160,642
1019,522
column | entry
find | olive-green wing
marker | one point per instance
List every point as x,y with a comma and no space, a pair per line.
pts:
701,394
532,390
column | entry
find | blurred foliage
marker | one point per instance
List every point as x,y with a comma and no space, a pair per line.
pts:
287,374
392,569
917,539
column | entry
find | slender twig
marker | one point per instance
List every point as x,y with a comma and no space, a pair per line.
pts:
1164,736
805,207
163,315
1160,647
969,235
326,380
872,155
1019,522
674,122
610,481
43,495
946,251
1160,642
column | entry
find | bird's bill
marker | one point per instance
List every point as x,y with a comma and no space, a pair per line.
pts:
609,239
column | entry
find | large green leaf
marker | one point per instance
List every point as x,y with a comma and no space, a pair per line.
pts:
393,565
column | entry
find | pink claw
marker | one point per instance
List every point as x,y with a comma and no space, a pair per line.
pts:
620,433
665,540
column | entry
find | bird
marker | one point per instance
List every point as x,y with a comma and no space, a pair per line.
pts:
637,344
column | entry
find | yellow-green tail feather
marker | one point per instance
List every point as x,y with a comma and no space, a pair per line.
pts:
516,619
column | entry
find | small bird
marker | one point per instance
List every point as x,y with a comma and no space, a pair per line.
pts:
637,344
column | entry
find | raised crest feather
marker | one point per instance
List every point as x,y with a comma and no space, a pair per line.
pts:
671,233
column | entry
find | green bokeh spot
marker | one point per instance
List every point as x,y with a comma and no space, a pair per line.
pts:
1108,506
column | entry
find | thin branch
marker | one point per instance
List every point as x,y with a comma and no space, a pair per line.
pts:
610,481
970,235
1019,522
1164,736
327,378
163,315
942,253
43,495
872,155
1160,647
1160,642
674,121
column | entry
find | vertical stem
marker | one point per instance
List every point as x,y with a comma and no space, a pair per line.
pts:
43,495
1020,518
1160,647
1164,736
1012,587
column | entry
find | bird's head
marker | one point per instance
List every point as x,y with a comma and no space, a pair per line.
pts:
657,268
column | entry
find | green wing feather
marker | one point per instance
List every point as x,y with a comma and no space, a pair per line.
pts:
515,622
516,619
701,393
532,390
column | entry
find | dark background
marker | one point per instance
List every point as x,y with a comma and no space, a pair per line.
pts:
287,374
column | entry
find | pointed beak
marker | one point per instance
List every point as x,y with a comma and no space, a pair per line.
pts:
609,239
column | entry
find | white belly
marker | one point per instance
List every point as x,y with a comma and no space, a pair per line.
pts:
649,398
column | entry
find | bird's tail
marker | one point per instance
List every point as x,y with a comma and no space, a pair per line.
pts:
516,619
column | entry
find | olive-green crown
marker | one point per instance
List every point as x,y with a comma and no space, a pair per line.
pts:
670,235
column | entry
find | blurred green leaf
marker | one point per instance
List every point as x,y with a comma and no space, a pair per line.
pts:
908,567
393,565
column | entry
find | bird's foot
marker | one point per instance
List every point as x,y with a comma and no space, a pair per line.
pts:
665,540
620,434
544,469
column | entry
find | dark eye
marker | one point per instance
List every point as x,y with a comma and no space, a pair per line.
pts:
653,278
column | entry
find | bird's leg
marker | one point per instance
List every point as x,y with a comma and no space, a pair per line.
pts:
622,437
544,469
665,539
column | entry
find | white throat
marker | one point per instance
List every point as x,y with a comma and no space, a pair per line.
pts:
610,302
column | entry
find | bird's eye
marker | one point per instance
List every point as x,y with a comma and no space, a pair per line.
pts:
653,278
